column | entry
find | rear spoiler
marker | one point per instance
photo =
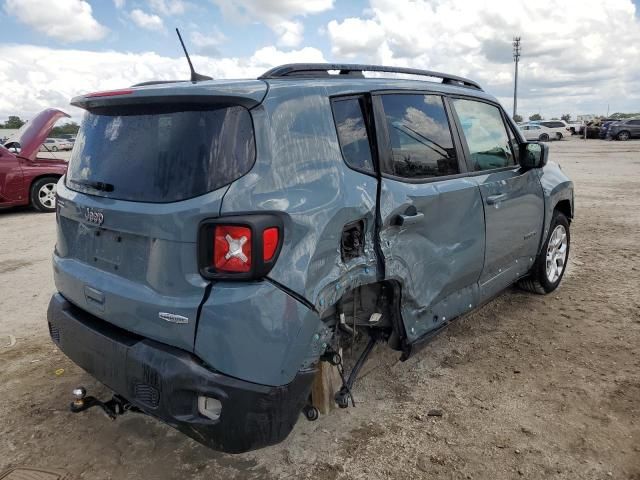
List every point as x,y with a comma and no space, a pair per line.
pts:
246,93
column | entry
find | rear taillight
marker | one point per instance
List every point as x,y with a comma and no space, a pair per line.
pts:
232,248
243,247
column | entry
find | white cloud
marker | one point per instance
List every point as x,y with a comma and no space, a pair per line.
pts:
64,20
290,33
168,7
573,55
148,21
31,81
279,15
119,4
208,43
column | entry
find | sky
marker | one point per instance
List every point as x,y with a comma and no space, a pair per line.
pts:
578,56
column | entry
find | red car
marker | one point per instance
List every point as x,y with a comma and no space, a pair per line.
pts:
24,178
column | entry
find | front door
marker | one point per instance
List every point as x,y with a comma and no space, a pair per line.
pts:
512,196
432,224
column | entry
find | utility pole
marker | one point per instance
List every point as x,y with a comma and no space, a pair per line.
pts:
516,59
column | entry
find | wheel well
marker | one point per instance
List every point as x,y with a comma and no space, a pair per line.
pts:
46,175
564,206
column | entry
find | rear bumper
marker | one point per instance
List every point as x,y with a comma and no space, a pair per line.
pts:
165,382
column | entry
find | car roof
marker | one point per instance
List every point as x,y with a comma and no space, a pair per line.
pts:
250,93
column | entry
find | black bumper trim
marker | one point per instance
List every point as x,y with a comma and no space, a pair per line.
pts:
253,416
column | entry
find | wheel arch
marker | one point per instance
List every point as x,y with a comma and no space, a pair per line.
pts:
564,207
41,176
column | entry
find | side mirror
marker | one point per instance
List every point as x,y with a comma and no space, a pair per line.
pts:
533,155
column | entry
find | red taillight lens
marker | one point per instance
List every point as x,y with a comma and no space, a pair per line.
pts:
232,248
109,93
270,240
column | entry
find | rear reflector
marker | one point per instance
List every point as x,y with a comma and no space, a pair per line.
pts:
270,240
232,248
110,93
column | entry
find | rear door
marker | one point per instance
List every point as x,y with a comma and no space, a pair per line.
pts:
140,181
512,197
432,224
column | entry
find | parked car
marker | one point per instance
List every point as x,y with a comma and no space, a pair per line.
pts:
532,131
604,128
218,239
574,127
26,179
558,128
624,129
593,127
55,144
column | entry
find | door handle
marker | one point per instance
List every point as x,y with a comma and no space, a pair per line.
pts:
411,219
491,199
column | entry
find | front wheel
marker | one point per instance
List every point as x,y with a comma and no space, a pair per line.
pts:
549,268
43,194
558,136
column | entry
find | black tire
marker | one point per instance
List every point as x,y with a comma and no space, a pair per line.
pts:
623,136
544,137
43,202
558,136
54,149
538,280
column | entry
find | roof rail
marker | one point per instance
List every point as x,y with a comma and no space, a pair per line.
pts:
315,70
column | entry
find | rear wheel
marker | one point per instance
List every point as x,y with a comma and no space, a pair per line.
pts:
549,268
624,135
544,137
43,194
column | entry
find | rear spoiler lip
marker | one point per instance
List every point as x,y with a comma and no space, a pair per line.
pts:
247,96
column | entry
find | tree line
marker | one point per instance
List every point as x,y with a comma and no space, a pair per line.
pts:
15,122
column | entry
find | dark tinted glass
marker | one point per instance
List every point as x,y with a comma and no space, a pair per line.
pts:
485,133
552,124
158,154
352,133
634,122
421,143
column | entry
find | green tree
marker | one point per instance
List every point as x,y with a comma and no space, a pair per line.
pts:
517,118
68,128
566,117
13,122
535,117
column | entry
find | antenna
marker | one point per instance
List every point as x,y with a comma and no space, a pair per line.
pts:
195,76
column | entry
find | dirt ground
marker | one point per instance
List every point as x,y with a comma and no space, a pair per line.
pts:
529,386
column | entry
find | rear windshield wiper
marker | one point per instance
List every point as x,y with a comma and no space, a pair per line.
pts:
104,187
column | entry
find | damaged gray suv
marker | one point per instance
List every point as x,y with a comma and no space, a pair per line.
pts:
217,239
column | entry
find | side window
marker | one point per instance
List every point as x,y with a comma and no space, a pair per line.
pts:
485,133
352,132
420,137
634,122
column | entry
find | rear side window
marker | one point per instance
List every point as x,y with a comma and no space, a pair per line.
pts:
420,137
163,154
352,132
485,133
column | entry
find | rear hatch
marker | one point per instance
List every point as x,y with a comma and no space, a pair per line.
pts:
146,169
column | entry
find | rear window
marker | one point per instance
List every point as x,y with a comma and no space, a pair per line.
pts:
161,154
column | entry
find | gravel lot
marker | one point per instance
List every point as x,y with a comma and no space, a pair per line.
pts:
529,386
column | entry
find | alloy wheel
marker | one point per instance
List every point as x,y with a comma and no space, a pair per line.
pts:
556,254
47,195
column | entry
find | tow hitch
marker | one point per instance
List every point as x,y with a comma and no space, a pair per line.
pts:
116,406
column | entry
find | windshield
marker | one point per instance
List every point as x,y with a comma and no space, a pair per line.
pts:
156,153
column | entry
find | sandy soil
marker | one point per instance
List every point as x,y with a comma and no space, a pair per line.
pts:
529,386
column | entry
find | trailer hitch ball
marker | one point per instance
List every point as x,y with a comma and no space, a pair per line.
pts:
79,394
